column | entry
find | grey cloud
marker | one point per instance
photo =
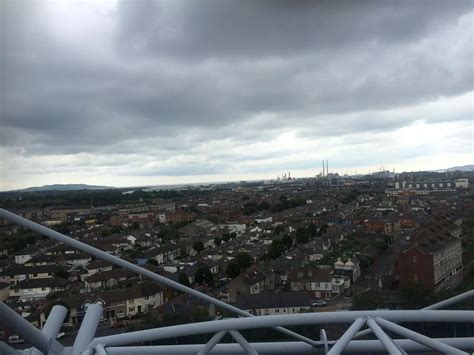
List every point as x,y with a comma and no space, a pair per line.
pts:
274,28
179,74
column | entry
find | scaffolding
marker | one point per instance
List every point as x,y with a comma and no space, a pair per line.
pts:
382,323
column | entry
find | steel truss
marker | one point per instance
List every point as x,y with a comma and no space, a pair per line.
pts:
44,341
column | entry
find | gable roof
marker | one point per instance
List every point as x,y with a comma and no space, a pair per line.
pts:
110,274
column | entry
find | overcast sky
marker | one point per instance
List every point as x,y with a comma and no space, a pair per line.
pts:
157,92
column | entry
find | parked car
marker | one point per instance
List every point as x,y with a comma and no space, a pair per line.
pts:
319,303
60,335
15,339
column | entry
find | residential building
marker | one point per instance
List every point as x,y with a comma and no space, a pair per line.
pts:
435,257
252,281
274,303
29,290
313,280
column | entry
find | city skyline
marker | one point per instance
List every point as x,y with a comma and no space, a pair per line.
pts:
154,93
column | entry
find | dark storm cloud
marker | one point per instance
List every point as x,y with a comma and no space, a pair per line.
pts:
170,76
196,29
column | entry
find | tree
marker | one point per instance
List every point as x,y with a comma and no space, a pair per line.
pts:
204,275
250,208
226,237
244,260
233,269
279,229
302,235
198,246
135,226
276,249
117,229
152,262
365,261
367,300
217,241
183,279
287,241
61,272
263,206
106,232
312,230
416,296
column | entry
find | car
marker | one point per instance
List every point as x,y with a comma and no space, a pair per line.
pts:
15,339
60,335
319,303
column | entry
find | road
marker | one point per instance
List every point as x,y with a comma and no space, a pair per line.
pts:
382,266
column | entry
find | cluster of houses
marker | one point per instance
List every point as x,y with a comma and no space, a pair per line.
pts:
319,268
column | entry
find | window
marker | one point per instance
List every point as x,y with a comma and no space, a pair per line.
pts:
277,310
414,259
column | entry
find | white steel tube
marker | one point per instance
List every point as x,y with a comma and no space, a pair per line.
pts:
88,328
53,324
383,337
459,298
12,320
7,349
284,320
419,338
212,343
346,337
100,350
324,339
243,342
359,346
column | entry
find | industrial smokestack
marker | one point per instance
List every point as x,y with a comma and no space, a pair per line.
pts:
323,168
327,168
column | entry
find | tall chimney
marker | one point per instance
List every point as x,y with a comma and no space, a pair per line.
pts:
327,168
323,167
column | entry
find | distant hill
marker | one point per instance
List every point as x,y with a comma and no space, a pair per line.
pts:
65,187
458,168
